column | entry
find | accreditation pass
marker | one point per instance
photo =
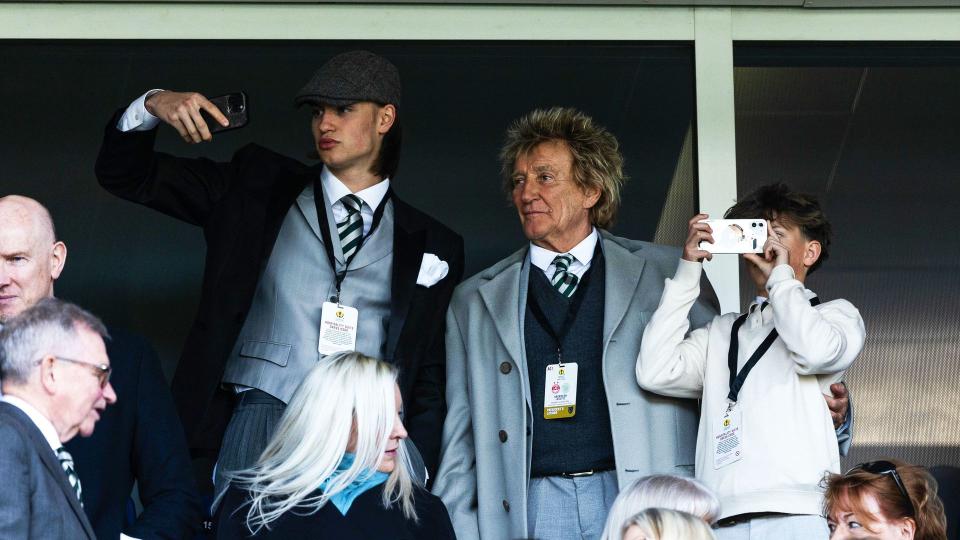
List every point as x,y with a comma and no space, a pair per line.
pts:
560,391
338,328
728,437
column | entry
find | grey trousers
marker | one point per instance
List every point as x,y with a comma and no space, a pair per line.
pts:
255,417
561,508
782,527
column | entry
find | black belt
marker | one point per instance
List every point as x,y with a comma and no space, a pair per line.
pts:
581,474
256,397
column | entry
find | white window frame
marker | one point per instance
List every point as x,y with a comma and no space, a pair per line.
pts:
712,30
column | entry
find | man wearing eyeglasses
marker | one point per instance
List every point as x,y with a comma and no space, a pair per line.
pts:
141,439
56,383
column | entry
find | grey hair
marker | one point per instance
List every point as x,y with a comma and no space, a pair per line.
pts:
46,328
666,524
312,436
661,491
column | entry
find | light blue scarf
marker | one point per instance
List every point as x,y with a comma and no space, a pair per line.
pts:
364,482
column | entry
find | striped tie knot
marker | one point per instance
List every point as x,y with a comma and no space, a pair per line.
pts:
352,203
563,280
66,462
350,229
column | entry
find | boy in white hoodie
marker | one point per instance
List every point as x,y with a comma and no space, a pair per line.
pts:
766,437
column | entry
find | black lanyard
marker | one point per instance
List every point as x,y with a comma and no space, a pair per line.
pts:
541,318
737,379
318,198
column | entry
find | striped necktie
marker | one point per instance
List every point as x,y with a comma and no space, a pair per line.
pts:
563,280
351,228
66,461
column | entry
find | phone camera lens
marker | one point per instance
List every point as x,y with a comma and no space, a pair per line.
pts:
753,224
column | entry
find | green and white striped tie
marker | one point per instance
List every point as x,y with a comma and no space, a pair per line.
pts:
563,280
351,228
66,461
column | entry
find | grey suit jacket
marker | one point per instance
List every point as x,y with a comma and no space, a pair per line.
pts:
36,500
487,436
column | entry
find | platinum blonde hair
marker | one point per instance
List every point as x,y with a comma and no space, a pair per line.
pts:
660,491
50,327
665,524
312,436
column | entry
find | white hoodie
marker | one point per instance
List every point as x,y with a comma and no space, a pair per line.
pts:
788,438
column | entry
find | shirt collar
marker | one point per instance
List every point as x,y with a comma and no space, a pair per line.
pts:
542,258
336,190
43,424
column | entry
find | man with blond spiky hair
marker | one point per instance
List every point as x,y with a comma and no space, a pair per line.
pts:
545,418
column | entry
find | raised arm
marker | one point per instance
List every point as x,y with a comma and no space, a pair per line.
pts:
127,166
669,363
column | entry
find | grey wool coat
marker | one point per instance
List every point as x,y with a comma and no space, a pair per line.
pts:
487,436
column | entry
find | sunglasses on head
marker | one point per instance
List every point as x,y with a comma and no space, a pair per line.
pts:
885,468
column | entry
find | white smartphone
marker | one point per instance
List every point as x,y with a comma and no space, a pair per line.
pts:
736,236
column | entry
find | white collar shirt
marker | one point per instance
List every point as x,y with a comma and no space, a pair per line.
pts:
582,253
371,197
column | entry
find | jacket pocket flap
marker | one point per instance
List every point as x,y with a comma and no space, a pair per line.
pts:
278,353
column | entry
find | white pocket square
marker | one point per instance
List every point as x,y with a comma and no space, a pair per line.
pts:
432,270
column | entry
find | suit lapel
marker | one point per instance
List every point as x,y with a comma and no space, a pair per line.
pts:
623,270
309,210
52,464
281,198
408,248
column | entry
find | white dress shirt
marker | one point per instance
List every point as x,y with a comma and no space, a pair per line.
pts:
136,117
336,190
582,253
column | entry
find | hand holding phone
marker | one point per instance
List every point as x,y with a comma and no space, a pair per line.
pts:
736,235
233,106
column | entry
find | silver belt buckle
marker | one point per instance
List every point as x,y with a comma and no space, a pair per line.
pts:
577,474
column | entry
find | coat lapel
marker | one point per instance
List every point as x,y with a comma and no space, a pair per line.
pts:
408,247
623,270
501,296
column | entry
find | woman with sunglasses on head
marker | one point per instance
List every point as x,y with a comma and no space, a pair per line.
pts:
336,467
884,500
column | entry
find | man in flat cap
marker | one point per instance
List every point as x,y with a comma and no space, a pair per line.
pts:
301,261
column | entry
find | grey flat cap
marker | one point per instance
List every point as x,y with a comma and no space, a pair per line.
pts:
351,77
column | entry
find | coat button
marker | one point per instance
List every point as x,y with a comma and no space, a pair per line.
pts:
503,436
506,505
505,368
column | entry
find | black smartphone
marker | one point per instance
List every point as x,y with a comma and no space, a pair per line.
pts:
234,106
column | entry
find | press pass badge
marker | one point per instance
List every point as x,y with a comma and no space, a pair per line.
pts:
728,438
338,328
560,391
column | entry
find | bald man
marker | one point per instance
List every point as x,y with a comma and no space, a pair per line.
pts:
139,439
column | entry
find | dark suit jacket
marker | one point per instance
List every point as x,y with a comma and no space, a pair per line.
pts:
137,438
240,205
367,519
36,500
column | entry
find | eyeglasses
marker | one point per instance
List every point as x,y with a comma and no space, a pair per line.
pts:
102,371
886,468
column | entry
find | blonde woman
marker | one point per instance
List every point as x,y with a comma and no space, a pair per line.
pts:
660,491
336,471
663,524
